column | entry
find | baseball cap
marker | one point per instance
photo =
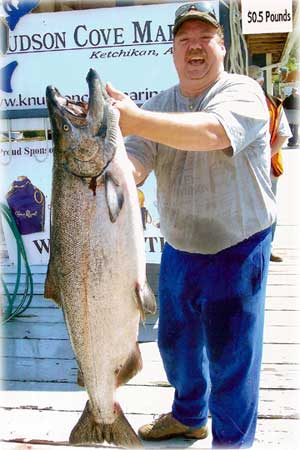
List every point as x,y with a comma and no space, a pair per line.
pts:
202,11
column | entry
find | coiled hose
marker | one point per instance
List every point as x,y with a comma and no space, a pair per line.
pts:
10,307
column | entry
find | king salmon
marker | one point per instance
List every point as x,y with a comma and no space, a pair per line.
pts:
96,271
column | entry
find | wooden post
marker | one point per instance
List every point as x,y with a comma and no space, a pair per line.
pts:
268,79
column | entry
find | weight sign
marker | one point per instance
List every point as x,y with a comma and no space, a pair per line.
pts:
267,16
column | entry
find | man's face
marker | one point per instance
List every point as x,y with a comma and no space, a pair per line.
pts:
198,53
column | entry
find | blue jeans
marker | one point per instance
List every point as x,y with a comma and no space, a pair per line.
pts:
211,333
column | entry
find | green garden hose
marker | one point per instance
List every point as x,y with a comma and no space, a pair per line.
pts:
11,307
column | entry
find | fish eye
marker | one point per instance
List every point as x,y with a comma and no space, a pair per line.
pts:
66,127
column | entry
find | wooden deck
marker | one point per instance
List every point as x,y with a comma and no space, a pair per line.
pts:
41,402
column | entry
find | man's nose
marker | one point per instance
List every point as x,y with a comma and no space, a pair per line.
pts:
196,44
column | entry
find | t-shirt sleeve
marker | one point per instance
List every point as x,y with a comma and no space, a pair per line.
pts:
242,110
284,128
143,150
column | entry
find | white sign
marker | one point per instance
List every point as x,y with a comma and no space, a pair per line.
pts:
267,16
129,46
123,45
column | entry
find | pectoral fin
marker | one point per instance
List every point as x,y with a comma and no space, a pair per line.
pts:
114,196
145,300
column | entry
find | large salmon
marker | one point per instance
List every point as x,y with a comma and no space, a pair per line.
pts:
96,270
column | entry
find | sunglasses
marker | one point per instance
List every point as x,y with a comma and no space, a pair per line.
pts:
201,7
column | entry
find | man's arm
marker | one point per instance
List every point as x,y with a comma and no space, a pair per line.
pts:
282,135
278,143
196,131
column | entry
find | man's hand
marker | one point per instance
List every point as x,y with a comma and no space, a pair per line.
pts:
127,108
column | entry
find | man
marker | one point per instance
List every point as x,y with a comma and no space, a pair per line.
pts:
207,141
279,133
292,106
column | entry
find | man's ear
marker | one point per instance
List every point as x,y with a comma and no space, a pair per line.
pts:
223,48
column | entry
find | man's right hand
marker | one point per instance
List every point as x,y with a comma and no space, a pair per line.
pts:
127,108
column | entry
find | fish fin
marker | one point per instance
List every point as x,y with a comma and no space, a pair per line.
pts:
50,290
114,196
80,378
132,366
145,299
120,432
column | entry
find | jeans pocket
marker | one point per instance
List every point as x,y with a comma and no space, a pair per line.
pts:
244,275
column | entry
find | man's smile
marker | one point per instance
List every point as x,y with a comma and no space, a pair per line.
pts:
195,58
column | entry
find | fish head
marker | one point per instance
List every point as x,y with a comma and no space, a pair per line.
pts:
84,134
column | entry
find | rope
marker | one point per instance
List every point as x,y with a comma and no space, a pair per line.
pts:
10,309
237,56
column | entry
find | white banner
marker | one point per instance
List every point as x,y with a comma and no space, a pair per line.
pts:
129,46
267,16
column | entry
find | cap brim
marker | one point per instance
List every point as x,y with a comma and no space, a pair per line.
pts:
194,15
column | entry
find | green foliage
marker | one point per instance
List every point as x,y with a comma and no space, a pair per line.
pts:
293,62
34,134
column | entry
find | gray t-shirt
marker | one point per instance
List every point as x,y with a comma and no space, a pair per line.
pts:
209,201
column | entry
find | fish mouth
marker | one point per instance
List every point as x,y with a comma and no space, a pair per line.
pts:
86,133
92,113
55,99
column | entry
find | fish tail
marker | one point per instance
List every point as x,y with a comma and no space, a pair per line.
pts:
120,432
